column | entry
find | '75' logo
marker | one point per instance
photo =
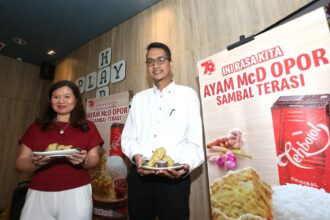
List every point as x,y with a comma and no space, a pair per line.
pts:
209,67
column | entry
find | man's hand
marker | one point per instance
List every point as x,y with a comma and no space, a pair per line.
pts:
174,173
138,158
171,173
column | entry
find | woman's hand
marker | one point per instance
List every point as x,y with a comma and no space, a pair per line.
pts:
39,161
27,162
80,158
86,159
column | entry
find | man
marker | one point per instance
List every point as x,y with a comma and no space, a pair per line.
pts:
166,115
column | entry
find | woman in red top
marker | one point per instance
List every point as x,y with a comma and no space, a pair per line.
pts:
60,187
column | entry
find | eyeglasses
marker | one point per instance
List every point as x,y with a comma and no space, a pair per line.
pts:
158,60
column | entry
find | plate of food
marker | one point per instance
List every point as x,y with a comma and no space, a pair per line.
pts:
56,153
57,150
108,191
161,166
160,161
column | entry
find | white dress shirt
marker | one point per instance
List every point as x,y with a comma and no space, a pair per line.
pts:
169,118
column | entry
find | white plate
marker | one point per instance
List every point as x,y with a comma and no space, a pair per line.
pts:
56,153
175,167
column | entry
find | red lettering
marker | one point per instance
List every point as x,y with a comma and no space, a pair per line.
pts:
319,55
304,59
209,67
276,69
288,64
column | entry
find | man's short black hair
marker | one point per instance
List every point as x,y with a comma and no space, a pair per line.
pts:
161,46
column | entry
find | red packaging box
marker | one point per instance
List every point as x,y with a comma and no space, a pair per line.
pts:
301,130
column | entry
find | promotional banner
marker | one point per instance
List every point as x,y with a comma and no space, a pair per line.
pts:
109,185
266,119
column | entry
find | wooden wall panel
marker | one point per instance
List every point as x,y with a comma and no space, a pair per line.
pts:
194,30
21,94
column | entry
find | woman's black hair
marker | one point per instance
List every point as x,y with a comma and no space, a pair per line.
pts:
78,115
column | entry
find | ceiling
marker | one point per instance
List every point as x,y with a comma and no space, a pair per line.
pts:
61,25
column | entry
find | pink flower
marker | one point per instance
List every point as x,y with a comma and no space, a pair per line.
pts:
231,165
230,156
220,161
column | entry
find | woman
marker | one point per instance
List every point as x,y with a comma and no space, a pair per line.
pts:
60,187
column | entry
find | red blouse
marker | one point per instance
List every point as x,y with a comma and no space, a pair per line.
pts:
60,174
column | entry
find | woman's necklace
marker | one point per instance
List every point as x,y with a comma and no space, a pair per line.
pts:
63,129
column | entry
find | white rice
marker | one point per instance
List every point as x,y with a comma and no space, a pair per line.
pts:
296,202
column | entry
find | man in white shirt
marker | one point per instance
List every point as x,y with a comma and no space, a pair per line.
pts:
166,115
